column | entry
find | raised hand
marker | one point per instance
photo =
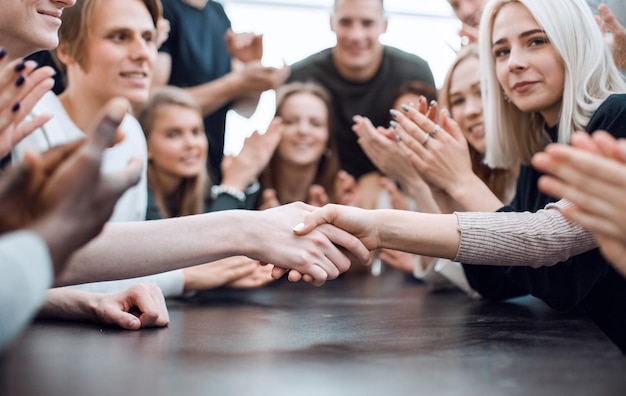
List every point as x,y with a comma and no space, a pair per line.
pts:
255,77
245,47
21,87
346,189
269,199
441,155
591,173
381,147
609,23
64,196
317,196
242,170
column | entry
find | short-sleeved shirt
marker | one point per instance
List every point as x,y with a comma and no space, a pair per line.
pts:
199,55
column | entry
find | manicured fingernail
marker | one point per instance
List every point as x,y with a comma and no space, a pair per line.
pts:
393,112
3,53
405,107
298,227
447,112
20,80
393,124
19,67
421,99
432,102
16,107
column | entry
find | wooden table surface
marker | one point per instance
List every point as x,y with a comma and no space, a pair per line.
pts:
355,336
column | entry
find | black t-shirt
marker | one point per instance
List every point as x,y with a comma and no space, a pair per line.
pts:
199,54
370,99
585,282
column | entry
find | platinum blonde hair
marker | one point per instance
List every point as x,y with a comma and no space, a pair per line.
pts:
513,136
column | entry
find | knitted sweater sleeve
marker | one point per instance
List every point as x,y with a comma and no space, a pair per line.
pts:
542,238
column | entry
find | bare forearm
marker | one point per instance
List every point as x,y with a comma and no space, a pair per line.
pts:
133,249
215,94
68,304
425,234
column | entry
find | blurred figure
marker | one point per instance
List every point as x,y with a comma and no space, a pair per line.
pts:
469,13
178,183
361,75
304,166
221,69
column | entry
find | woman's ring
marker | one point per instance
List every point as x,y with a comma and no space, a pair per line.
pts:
435,130
425,140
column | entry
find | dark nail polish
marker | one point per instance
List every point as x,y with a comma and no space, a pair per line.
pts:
393,112
19,67
3,53
405,107
16,107
20,80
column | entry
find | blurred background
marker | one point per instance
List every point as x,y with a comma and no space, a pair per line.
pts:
295,29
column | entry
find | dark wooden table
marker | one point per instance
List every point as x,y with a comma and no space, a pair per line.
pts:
373,336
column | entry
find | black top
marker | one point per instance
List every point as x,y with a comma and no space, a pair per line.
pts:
369,99
199,55
585,282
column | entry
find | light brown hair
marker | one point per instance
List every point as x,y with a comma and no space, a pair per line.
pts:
189,198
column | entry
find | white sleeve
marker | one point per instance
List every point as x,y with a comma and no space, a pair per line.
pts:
171,283
25,276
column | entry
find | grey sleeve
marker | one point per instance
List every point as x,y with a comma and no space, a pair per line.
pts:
536,239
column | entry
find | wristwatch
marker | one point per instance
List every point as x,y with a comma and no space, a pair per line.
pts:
218,190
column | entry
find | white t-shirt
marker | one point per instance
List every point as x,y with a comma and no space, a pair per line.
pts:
61,129
131,206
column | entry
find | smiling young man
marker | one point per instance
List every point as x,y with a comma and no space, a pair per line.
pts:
361,74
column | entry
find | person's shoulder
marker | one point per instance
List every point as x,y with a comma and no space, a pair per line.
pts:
130,125
610,116
397,53
613,104
312,60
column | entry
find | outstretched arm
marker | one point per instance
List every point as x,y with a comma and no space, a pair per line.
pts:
420,233
141,248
